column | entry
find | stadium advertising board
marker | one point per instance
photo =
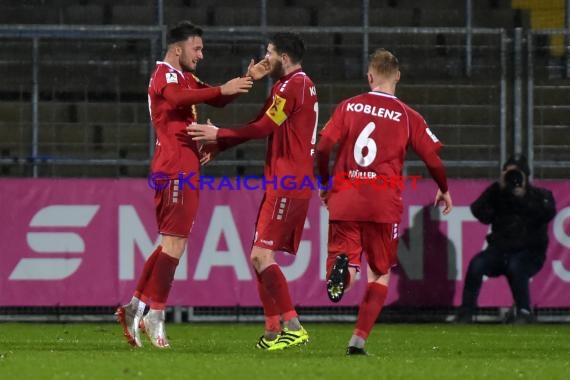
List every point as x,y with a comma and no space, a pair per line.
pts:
77,242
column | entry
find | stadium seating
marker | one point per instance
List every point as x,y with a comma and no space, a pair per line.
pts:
198,15
26,14
289,16
133,15
91,14
93,92
439,4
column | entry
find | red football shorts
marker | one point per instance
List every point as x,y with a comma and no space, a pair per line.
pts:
280,223
175,208
378,240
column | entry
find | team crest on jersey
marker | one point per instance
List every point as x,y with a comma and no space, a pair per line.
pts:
275,112
171,78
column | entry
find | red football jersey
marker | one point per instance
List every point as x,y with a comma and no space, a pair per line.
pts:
291,146
289,120
373,131
175,152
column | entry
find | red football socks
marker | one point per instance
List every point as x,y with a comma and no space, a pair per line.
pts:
272,319
276,286
370,309
160,280
145,275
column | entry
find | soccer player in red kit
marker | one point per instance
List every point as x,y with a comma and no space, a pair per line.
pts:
373,131
289,121
173,93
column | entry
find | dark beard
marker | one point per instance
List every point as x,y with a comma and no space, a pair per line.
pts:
277,71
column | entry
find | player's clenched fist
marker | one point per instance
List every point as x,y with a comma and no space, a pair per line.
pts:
237,86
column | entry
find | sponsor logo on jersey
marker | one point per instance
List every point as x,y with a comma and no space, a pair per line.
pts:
171,78
361,174
276,111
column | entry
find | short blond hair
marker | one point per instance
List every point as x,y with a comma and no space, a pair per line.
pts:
384,63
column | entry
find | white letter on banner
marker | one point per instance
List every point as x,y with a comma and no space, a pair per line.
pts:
564,239
55,242
411,257
299,266
132,233
222,223
455,221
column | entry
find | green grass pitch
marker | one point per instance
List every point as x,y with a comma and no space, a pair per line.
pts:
226,351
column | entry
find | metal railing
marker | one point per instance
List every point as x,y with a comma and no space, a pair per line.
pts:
38,33
549,155
508,67
420,83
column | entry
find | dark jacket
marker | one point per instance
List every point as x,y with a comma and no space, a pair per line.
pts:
516,222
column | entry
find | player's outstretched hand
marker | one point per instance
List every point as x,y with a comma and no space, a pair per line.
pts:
446,199
258,70
208,153
204,133
237,86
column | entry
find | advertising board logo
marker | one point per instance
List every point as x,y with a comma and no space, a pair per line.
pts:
53,243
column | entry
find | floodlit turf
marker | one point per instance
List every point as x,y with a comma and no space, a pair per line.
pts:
226,351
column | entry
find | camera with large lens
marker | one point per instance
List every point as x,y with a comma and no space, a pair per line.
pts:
514,178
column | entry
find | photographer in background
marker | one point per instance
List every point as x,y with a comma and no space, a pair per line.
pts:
518,214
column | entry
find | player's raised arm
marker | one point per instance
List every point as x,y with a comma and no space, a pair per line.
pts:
178,96
239,85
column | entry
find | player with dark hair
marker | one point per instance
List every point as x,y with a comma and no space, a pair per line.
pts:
289,120
373,131
173,93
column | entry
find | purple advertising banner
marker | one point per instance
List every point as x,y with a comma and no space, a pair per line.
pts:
80,242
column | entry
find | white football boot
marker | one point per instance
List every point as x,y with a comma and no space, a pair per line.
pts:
153,326
129,318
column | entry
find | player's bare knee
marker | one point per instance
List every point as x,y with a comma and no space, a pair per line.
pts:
173,245
255,261
261,258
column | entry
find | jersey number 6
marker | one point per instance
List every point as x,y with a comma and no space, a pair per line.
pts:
362,157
